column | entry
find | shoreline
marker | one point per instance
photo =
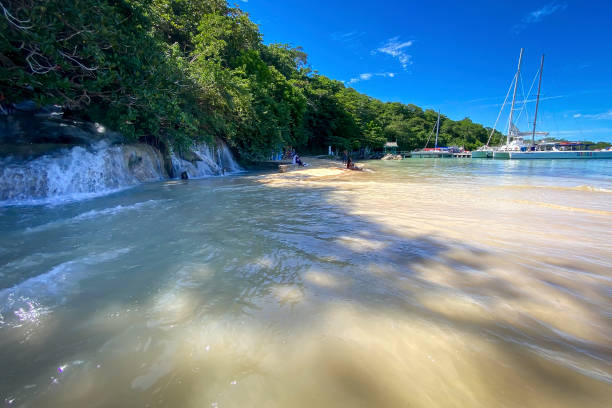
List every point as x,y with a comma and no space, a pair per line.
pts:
317,169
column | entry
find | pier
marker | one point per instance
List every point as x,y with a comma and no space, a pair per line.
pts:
432,154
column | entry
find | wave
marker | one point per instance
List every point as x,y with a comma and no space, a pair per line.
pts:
115,210
94,214
564,207
59,200
560,188
29,299
592,188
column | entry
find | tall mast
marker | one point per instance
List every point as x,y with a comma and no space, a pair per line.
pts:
437,129
518,73
537,102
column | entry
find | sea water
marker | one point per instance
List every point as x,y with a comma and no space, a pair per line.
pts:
423,283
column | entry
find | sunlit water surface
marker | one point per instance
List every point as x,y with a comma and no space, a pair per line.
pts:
422,283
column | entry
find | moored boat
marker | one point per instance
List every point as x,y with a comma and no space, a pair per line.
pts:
517,148
483,152
560,150
439,152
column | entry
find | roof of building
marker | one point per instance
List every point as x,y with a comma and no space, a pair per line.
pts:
391,144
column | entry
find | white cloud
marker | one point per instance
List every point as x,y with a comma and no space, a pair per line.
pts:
396,48
598,116
348,36
367,76
538,15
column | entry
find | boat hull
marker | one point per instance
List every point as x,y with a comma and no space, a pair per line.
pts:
501,155
482,154
430,154
579,154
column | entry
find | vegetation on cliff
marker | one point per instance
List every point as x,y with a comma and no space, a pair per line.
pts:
175,71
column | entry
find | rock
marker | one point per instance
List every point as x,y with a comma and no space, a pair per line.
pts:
283,168
166,153
184,175
392,157
49,111
31,136
25,106
134,160
190,156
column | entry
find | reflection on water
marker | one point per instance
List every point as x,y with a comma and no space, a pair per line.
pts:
421,283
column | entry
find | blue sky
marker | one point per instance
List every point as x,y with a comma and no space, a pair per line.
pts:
460,57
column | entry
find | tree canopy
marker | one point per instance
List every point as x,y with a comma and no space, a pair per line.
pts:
179,71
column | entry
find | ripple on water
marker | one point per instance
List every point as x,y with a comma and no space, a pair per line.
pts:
31,299
421,284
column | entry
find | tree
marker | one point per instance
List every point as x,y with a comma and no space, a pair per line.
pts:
177,72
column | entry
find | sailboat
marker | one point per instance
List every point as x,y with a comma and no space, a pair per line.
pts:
435,151
515,141
487,151
516,147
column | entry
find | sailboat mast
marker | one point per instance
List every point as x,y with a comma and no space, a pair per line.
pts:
518,73
437,129
537,102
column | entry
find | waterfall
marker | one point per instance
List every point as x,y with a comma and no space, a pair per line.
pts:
101,168
227,159
205,161
78,172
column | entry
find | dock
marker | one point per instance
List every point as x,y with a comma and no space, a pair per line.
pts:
433,154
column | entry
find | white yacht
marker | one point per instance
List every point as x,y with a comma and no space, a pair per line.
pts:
516,147
557,150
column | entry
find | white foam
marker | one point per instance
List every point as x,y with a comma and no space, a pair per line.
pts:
44,288
116,210
214,161
94,214
78,173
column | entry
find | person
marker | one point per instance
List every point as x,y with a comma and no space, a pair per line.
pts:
298,161
349,163
344,156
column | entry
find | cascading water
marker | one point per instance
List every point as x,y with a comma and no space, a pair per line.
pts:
101,168
79,172
206,161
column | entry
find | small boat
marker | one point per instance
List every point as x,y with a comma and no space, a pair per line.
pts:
433,152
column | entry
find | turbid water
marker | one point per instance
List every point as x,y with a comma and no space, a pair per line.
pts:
421,283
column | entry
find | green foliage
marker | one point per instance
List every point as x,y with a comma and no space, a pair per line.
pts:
181,71
601,145
592,145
